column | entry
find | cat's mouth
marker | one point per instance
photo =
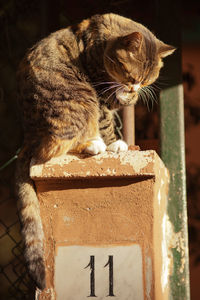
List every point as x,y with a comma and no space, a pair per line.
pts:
126,97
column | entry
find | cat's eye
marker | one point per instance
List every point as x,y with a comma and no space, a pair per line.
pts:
122,66
133,81
145,82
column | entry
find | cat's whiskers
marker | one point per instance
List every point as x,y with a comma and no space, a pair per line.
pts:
143,96
152,92
149,94
121,87
109,88
156,86
110,59
102,83
152,97
162,81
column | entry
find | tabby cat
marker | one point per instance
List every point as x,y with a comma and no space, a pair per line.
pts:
69,85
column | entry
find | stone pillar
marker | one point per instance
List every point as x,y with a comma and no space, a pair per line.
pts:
106,226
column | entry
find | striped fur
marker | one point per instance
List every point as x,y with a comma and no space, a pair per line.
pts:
29,211
67,85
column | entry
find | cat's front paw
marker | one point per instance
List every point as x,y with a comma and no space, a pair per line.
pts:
96,146
118,146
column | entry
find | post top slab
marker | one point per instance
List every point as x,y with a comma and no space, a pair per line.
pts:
107,164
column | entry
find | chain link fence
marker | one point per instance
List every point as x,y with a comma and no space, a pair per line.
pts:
15,282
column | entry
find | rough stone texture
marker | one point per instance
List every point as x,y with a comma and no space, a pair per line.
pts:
107,200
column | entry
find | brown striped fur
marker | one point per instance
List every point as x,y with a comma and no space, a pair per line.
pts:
66,98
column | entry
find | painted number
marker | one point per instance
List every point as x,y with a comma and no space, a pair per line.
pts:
110,264
92,276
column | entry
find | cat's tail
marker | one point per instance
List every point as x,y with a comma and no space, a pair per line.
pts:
29,211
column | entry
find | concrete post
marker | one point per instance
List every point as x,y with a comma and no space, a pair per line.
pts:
107,233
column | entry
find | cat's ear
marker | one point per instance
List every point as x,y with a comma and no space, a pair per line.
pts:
165,49
132,41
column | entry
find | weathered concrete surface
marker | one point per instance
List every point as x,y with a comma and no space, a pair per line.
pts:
107,164
108,200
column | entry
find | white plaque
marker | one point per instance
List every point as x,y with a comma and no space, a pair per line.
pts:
83,272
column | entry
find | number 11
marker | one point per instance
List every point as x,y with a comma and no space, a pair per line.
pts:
92,276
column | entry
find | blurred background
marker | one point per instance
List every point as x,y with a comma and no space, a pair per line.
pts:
22,24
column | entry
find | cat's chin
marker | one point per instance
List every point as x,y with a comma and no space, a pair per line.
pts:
125,98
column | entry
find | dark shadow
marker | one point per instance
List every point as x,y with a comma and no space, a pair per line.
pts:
91,183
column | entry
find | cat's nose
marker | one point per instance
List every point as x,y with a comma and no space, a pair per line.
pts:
135,87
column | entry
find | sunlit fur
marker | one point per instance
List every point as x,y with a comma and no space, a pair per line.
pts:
68,85
134,60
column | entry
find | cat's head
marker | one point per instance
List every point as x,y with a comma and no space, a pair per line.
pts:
134,61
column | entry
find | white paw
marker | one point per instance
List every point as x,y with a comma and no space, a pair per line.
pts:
97,146
118,146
